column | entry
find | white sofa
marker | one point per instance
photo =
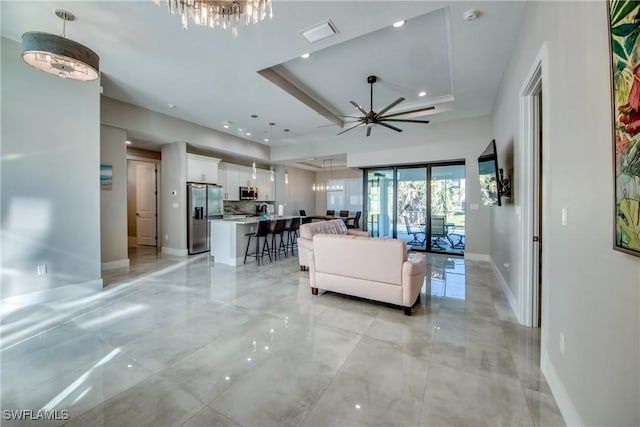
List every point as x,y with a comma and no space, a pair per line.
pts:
372,268
307,231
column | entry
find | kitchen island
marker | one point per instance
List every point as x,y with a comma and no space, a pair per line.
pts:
229,240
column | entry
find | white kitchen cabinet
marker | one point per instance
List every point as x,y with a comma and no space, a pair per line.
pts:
246,177
266,188
229,178
202,169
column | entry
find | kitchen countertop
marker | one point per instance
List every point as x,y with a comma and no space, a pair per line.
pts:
238,219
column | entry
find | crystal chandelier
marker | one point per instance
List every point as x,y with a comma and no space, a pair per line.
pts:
220,13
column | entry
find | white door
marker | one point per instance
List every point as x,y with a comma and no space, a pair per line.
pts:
146,204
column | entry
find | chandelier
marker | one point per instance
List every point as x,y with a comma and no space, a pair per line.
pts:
324,187
220,13
59,55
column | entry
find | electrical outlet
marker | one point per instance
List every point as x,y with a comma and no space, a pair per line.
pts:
42,270
562,343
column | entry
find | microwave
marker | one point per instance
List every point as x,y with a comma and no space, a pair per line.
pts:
248,193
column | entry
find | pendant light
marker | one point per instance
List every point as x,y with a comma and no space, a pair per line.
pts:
59,55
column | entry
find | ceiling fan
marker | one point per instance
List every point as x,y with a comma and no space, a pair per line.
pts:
372,118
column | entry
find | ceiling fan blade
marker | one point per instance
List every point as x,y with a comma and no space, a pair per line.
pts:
352,127
390,106
355,104
390,127
345,123
417,110
405,120
368,130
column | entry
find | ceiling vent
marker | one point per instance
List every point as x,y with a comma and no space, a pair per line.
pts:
319,31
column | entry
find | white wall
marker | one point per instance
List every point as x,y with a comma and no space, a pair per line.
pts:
297,194
174,206
590,292
321,197
162,128
113,202
50,191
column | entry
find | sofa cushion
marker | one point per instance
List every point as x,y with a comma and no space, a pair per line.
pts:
367,258
334,226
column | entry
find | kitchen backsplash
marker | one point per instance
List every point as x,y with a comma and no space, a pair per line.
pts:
243,207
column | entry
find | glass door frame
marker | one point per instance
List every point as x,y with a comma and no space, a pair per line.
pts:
394,169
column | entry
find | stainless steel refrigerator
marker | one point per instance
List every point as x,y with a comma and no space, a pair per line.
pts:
204,202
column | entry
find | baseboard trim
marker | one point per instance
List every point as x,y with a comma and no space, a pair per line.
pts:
175,252
75,290
560,394
477,257
513,302
112,265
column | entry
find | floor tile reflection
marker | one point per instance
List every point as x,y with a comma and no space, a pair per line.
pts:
181,341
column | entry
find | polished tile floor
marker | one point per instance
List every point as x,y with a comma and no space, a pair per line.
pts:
183,342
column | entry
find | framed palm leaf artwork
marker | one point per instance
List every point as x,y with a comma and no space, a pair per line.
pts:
624,33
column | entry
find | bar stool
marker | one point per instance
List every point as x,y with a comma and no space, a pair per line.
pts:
278,230
292,231
264,227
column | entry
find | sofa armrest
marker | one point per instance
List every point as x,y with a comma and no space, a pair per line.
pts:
352,232
413,272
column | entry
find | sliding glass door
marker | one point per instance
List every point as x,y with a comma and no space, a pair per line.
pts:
420,204
411,210
380,195
447,208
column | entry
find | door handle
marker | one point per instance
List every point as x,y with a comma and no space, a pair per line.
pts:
137,214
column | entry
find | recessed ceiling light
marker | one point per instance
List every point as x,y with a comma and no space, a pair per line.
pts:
305,55
225,126
423,93
128,142
171,106
471,14
248,133
266,140
399,24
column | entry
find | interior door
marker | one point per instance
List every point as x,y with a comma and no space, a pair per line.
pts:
146,204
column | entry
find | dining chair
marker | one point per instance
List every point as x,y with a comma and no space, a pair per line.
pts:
344,214
331,213
415,241
356,221
438,231
303,212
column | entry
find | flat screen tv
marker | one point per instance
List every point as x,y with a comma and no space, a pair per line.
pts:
489,179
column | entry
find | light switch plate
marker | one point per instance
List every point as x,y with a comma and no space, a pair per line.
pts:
564,217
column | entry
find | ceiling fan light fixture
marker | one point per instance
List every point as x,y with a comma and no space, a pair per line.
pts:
422,93
59,55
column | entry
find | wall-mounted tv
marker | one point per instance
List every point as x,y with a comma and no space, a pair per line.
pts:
489,179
